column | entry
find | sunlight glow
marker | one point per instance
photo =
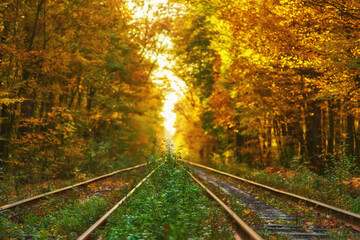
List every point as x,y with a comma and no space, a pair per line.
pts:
147,10
162,76
177,88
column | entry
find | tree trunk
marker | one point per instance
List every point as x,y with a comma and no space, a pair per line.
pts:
331,134
239,142
350,133
357,143
5,131
31,33
313,135
90,99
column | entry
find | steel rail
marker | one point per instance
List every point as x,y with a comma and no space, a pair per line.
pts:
38,197
96,225
348,217
246,232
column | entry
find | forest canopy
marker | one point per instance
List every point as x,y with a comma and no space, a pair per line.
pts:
269,80
75,88
266,81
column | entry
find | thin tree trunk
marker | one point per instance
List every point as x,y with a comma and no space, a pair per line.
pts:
90,99
350,133
34,29
331,135
239,142
75,91
313,135
357,142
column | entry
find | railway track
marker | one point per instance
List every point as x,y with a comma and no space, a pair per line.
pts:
102,220
242,230
285,224
43,196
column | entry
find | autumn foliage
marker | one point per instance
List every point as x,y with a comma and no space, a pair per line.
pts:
75,91
269,80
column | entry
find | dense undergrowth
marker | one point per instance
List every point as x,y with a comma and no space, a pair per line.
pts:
334,187
169,206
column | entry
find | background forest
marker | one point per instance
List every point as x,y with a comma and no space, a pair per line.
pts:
267,82
75,89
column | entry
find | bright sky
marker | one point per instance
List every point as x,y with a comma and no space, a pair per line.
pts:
176,88
163,73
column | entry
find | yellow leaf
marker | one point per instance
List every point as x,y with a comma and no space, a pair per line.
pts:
247,211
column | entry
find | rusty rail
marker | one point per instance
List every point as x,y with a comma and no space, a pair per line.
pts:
350,218
38,197
245,232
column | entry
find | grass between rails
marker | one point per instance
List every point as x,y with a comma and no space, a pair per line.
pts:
69,215
168,206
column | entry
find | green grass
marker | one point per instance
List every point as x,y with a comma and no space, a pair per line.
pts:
64,221
66,216
169,206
